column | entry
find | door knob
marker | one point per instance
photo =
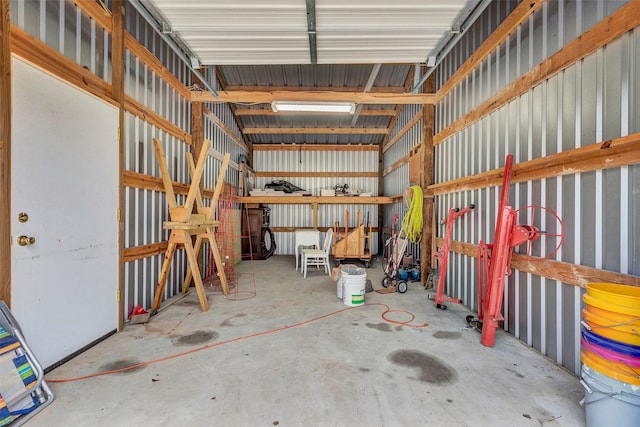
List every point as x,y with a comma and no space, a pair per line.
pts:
26,240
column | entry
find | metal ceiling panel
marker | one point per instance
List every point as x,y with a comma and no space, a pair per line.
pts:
254,32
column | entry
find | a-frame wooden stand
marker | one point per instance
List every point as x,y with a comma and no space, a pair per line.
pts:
184,224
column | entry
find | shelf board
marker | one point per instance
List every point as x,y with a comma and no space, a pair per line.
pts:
303,200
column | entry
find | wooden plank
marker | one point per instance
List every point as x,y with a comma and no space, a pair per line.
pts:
297,200
5,152
322,229
117,92
224,128
151,61
318,174
101,15
314,147
148,115
269,112
426,156
624,19
398,163
406,128
144,251
246,96
506,27
147,182
571,274
622,151
42,56
315,131
389,89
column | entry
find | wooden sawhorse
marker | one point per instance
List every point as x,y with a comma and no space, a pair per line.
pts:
185,224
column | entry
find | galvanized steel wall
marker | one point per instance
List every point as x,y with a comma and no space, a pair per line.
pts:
397,180
146,210
591,101
318,161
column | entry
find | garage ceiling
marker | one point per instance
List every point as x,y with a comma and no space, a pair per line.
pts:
310,46
223,32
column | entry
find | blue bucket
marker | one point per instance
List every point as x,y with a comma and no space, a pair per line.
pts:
620,347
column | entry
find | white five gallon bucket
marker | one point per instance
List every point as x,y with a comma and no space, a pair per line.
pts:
354,281
609,402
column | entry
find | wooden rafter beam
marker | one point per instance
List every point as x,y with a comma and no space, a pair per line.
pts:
269,174
572,274
622,151
615,25
269,112
510,24
314,147
315,131
219,123
267,97
383,89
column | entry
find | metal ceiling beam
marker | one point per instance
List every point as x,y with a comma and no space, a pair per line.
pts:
367,88
162,31
311,30
266,97
452,42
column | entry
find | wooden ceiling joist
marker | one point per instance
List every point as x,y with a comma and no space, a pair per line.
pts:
266,97
384,89
315,131
314,147
269,112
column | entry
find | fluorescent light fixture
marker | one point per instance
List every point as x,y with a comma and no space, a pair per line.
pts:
319,107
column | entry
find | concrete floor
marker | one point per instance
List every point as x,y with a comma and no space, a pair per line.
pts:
348,369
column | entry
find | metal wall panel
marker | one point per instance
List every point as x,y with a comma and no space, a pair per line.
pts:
318,161
591,101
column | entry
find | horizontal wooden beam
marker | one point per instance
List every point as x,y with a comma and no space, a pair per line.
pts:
572,274
624,19
266,97
42,56
314,147
506,27
270,112
317,174
100,14
148,115
303,200
613,153
224,128
406,128
398,163
147,182
384,89
151,61
144,251
322,229
315,131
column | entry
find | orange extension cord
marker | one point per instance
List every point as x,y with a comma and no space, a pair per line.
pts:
245,337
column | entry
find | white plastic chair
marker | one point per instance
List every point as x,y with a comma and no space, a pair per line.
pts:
318,257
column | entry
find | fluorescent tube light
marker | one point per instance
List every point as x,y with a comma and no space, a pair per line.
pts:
320,107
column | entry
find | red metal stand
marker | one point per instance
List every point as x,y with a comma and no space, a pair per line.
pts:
442,256
494,259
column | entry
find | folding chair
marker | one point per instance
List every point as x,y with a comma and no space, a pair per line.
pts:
23,390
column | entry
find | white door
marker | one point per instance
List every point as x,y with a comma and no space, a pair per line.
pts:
64,179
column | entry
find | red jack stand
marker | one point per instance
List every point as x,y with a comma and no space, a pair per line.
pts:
494,259
443,257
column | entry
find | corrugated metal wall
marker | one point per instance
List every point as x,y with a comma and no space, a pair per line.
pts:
397,180
318,161
593,100
145,210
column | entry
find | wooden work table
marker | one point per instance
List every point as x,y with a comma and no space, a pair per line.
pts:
317,200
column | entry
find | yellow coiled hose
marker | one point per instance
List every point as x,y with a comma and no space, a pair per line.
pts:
412,221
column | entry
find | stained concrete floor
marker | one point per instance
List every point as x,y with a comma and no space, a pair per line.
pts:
252,361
